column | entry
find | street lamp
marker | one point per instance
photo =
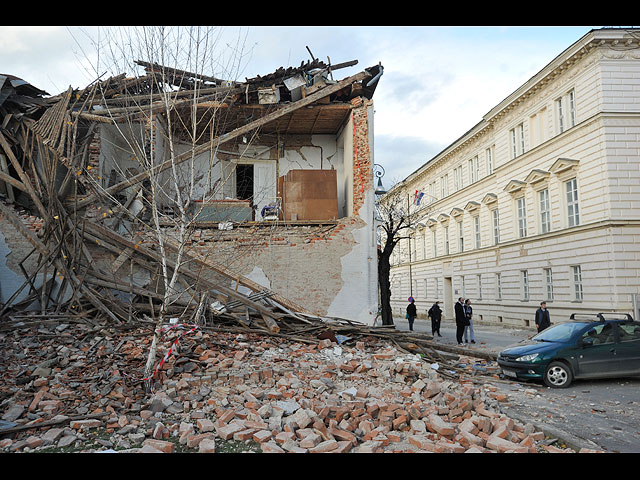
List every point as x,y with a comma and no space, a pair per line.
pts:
379,172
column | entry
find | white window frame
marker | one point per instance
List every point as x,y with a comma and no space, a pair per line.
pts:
517,140
548,278
434,241
444,185
571,96
476,225
460,236
521,215
577,283
474,170
489,159
545,211
573,209
524,277
446,240
479,278
560,113
496,226
457,178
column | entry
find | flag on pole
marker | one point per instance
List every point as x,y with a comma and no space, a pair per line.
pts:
417,197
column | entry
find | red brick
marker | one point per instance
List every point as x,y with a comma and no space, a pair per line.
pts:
440,426
163,446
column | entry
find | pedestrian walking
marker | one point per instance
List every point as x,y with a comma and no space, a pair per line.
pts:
461,320
435,314
412,312
543,319
468,329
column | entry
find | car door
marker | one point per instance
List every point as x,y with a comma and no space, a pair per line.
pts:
598,355
628,349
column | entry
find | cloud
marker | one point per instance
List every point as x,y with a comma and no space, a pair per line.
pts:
402,155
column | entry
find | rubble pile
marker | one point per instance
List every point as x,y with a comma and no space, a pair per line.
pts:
67,386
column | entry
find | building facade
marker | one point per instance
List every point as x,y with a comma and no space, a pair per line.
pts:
540,200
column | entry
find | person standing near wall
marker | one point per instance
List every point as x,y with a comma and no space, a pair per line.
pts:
543,319
468,329
435,314
412,312
461,320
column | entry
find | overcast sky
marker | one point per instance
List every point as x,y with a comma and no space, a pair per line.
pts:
438,82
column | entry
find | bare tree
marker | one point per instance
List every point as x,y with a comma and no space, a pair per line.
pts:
398,216
178,110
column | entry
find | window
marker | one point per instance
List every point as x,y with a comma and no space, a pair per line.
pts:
474,170
572,108
545,214
426,288
432,192
548,276
435,243
525,284
424,244
572,202
517,140
496,227
444,185
498,286
476,227
489,159
566,111
479,277
464,288
446,240
412,246
560,113
460,237
577,282
457,178
522,217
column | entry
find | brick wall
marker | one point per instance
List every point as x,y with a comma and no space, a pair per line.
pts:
362,156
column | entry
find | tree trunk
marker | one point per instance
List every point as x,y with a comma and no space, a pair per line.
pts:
385,286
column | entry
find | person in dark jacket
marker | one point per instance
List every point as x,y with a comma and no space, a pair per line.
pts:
543,320
468,330
435,314
412,312
461,320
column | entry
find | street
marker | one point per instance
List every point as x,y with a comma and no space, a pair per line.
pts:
598,414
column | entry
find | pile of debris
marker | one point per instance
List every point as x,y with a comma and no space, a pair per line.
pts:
69,387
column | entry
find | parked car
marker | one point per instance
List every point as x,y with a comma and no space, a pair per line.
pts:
591,347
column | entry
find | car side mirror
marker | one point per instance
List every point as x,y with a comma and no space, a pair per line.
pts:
586,342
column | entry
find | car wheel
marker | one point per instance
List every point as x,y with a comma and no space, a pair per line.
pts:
558,375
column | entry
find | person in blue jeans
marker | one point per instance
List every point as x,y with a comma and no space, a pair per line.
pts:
468,330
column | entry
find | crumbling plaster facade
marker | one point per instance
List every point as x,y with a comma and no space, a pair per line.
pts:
330,269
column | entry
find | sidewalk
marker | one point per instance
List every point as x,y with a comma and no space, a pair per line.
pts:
487,336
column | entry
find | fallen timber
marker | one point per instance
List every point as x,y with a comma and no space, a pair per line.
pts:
49,151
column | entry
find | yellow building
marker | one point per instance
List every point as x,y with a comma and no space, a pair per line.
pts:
540,200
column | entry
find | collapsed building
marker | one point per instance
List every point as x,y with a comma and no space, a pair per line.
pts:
254,194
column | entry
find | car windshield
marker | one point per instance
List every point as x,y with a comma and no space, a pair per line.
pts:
559,333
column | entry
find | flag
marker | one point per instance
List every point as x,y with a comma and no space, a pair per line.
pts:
417,197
